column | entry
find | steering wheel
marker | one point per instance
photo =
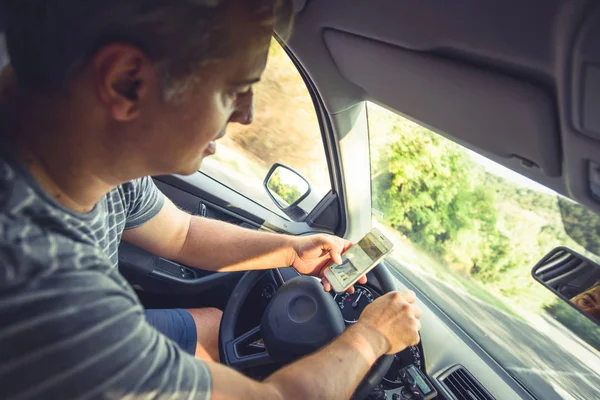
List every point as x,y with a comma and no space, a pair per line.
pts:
300,319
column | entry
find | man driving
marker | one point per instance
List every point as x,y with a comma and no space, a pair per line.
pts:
100,95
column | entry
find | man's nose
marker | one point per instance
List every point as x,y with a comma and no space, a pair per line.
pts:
244,109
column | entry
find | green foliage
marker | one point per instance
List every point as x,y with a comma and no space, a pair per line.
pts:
581,224
413,187
477,222
577,323
433,192
288,193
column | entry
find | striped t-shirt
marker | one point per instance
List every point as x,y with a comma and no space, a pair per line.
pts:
70,325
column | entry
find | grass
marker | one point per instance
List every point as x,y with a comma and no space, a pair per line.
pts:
407,253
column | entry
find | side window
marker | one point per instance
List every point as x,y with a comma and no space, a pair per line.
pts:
467,232
285,130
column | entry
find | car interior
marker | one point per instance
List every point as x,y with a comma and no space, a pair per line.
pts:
517,82
528,76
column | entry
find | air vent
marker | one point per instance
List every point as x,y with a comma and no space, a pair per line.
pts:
463,385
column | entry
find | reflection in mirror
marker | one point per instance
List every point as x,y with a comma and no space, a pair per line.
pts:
572,277
589,301
286,187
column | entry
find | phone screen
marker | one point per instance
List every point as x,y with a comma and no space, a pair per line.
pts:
358,259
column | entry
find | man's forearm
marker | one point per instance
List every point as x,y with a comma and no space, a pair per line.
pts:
217,246
335,371
332,373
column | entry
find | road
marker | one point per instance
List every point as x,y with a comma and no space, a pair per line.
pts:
547,358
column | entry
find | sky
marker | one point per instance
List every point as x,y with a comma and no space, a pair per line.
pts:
497,169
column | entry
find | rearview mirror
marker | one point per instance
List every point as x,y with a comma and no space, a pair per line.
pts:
573,278
287,188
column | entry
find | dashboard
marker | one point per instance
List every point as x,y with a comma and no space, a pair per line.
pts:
406,378
456,365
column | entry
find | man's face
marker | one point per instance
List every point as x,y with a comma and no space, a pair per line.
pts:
176,136
589,301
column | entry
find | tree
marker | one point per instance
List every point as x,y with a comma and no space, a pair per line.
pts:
427,188
581,224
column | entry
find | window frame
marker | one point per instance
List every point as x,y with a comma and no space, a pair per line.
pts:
332,157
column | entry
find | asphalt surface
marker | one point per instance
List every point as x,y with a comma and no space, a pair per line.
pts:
542,355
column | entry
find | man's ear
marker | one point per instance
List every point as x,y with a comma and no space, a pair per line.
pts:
122,76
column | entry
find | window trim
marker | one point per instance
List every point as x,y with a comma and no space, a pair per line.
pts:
331,147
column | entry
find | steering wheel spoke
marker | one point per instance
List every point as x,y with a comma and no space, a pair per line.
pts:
235,351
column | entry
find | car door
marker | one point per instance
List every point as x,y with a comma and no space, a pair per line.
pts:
289,129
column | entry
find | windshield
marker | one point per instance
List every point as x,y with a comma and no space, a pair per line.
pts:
467,233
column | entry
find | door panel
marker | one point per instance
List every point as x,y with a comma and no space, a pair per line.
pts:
201,195
224,203
152,274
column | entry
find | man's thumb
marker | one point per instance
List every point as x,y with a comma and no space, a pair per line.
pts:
336,256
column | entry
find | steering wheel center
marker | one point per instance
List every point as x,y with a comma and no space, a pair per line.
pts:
302,309
300,319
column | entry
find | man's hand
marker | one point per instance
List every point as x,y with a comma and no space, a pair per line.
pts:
312,254
395,318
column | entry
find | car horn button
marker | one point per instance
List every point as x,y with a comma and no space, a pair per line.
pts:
300,319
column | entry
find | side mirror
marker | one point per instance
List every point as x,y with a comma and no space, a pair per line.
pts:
573,278
287,188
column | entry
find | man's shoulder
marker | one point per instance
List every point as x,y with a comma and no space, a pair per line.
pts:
28,250
133,188
129,192
16,194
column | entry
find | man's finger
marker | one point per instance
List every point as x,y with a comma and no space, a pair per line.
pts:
363,279
410,296
335,246
418,327
417,311
350,290
326,284
347,245
336,256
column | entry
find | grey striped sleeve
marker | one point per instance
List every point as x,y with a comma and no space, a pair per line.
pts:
144,201
82,335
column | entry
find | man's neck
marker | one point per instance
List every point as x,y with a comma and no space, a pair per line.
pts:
63,158
71,185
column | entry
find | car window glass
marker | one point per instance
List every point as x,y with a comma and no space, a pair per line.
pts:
285,130
467,233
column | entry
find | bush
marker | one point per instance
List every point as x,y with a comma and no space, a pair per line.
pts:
575,322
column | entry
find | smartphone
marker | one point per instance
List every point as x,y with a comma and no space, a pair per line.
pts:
358,260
